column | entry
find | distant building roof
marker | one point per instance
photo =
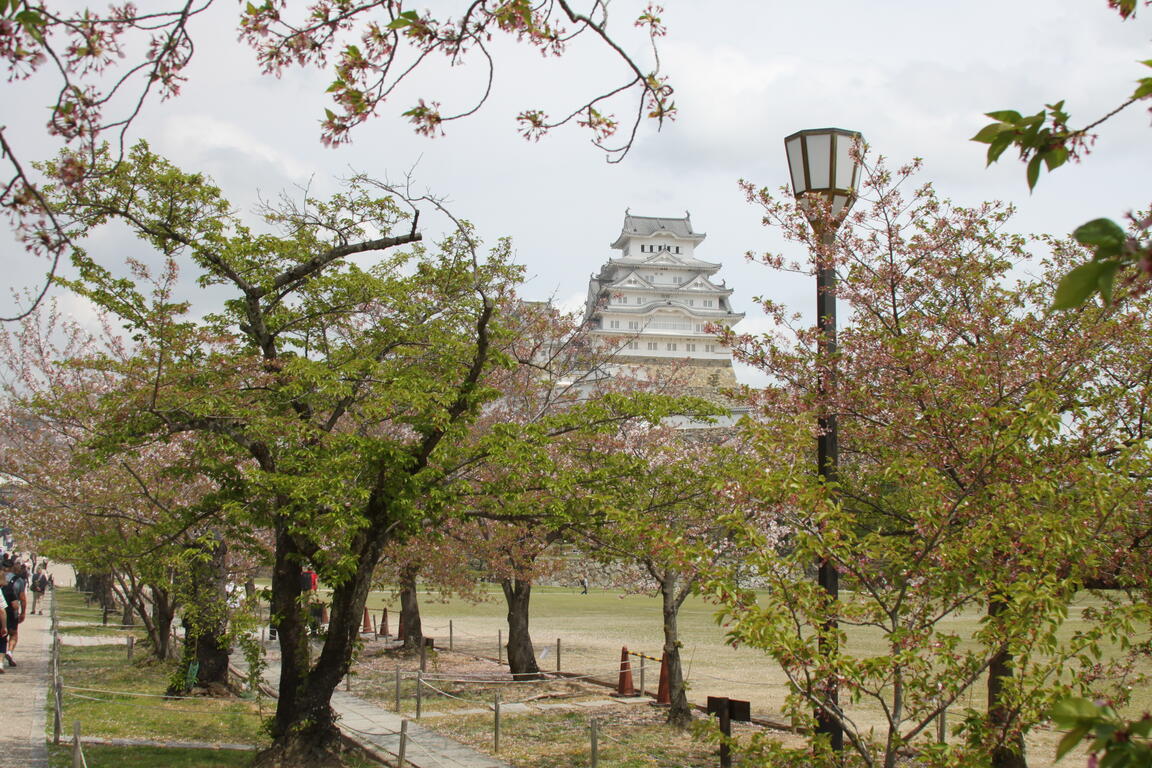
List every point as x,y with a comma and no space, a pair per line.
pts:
645,226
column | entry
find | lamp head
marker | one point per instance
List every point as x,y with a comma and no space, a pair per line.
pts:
822,165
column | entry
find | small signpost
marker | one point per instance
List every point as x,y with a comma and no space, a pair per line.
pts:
728,710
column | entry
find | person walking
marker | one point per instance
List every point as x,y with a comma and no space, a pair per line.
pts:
13,591
39,587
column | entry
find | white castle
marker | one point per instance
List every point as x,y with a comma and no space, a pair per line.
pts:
656,302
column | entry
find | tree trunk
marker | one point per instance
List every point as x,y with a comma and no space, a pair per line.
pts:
1008,751
160,626
521,654
679,713
206,618
413,632
304,729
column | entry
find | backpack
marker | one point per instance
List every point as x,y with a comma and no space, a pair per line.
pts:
40,582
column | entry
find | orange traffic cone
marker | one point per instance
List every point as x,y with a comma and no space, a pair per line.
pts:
367,621
624,687
664,691
384,623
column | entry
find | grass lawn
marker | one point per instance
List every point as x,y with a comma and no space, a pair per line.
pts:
594,627
628,736
101,756
98,756
113,698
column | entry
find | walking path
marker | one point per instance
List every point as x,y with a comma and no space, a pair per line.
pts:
22,739
378,730
22,729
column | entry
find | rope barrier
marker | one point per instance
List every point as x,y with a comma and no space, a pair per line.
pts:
214,713
449,695
346,727
129,693
548,677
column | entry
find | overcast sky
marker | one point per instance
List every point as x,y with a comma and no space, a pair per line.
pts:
914,77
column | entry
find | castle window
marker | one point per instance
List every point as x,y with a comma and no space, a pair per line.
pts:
652,345
689,347
633,325
633,345
709,347
637,299
614,324
707,302
671,346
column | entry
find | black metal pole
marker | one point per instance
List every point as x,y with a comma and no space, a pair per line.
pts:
827,452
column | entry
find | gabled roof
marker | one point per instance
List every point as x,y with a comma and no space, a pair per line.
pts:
646,226
632,278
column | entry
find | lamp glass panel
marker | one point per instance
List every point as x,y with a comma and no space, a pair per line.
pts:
820,160
796,165
839,203
844,163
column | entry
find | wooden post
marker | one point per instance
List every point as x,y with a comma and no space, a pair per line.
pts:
403,743
499,646
942,725
77,751
641,675
419,692
423,655
451,636
105,616
595,743
397,689
131,643
726,730
58,717
557,654
496,727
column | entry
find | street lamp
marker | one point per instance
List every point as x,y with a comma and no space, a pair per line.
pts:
825,176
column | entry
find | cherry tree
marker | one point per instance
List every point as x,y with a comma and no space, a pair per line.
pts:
975,475
666,519
104,66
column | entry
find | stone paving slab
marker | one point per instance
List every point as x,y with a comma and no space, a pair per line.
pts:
22,736
379,729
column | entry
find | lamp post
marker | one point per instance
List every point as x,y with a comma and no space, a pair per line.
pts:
825,177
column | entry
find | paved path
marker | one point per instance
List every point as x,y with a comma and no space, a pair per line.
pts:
379,730
25,687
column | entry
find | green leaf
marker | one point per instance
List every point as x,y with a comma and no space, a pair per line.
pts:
990,132
1106,279
1144,89
1100,232
1056,157
1034,171
1005,116
997,147
1073,290
1074,710
1071,740
405,19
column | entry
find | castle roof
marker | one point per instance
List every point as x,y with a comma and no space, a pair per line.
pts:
646,226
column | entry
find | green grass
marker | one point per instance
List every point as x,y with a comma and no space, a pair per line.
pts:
99,756
628,737
122,715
